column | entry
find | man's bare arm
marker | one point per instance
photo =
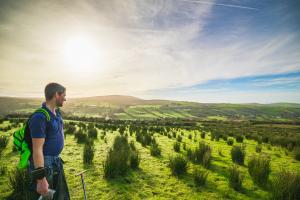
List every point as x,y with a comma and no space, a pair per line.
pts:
37,152
38,160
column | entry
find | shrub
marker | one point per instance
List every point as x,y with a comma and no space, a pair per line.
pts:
134,159
238,154
120,158
19,180
184,146
235,178
224,137
230,141
3,142
202,154
200,176
203,135
190,136
179,138
297,153
178,165
81,137
258,148
286,185
239,138
3,170
88,152
259,170
176,147
92,133
155,150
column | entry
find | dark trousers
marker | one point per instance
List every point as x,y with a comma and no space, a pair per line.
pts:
56,179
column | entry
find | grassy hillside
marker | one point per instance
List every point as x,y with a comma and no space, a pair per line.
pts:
127,107
153,179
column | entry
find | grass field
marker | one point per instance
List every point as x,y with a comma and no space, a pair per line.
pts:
153,179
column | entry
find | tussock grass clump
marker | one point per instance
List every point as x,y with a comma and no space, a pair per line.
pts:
258,148
259,169
176,147
135,159
81,136
230,141
179,138
239,138
235,178
3,142
120,158
201,155
88,152
238,154
19,181
155,149
297,153
203,135
200,177
92,133
286,185
178,165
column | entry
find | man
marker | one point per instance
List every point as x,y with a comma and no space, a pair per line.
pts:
47,144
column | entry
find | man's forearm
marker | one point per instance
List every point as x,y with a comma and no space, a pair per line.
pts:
38,159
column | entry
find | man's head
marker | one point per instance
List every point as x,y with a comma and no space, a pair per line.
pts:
55,93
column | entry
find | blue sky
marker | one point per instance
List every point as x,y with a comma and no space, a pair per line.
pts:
237,51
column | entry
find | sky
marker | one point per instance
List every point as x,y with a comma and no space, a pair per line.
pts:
233,51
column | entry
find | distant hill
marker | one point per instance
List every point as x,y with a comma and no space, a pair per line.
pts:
129,107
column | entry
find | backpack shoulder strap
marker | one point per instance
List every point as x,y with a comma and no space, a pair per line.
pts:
41,110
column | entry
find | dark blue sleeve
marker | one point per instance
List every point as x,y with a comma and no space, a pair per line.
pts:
37,126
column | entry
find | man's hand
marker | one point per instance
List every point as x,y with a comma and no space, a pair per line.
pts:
42,186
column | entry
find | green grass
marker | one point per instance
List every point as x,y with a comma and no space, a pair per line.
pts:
154,180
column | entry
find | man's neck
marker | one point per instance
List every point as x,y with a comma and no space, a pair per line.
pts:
51,107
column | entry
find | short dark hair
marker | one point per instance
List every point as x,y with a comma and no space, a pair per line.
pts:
52,88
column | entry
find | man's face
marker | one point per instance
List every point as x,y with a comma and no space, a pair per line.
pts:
60,98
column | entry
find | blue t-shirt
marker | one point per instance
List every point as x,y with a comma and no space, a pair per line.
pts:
52,131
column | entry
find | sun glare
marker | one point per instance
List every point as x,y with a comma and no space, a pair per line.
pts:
80,53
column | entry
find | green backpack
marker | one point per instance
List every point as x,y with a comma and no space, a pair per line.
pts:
22,139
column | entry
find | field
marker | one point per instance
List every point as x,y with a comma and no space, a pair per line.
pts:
153,179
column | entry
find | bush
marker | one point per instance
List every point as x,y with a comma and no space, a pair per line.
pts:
200,177
224,137
92,133
259,170
176,147
258,148
81,137
3,142
202,155
120,158
134,159
238,154
3,170
155,150
239,138
230,141
202,135
178,165
88,152
286,185
235,178
297,153
179,138
19,180
190,136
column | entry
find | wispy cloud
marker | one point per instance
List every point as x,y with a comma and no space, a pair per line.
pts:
145,45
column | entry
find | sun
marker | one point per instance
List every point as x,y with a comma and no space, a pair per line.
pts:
81,53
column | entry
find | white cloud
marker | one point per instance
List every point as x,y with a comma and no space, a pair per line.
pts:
145,45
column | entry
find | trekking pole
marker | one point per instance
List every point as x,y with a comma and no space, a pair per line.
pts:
82,181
